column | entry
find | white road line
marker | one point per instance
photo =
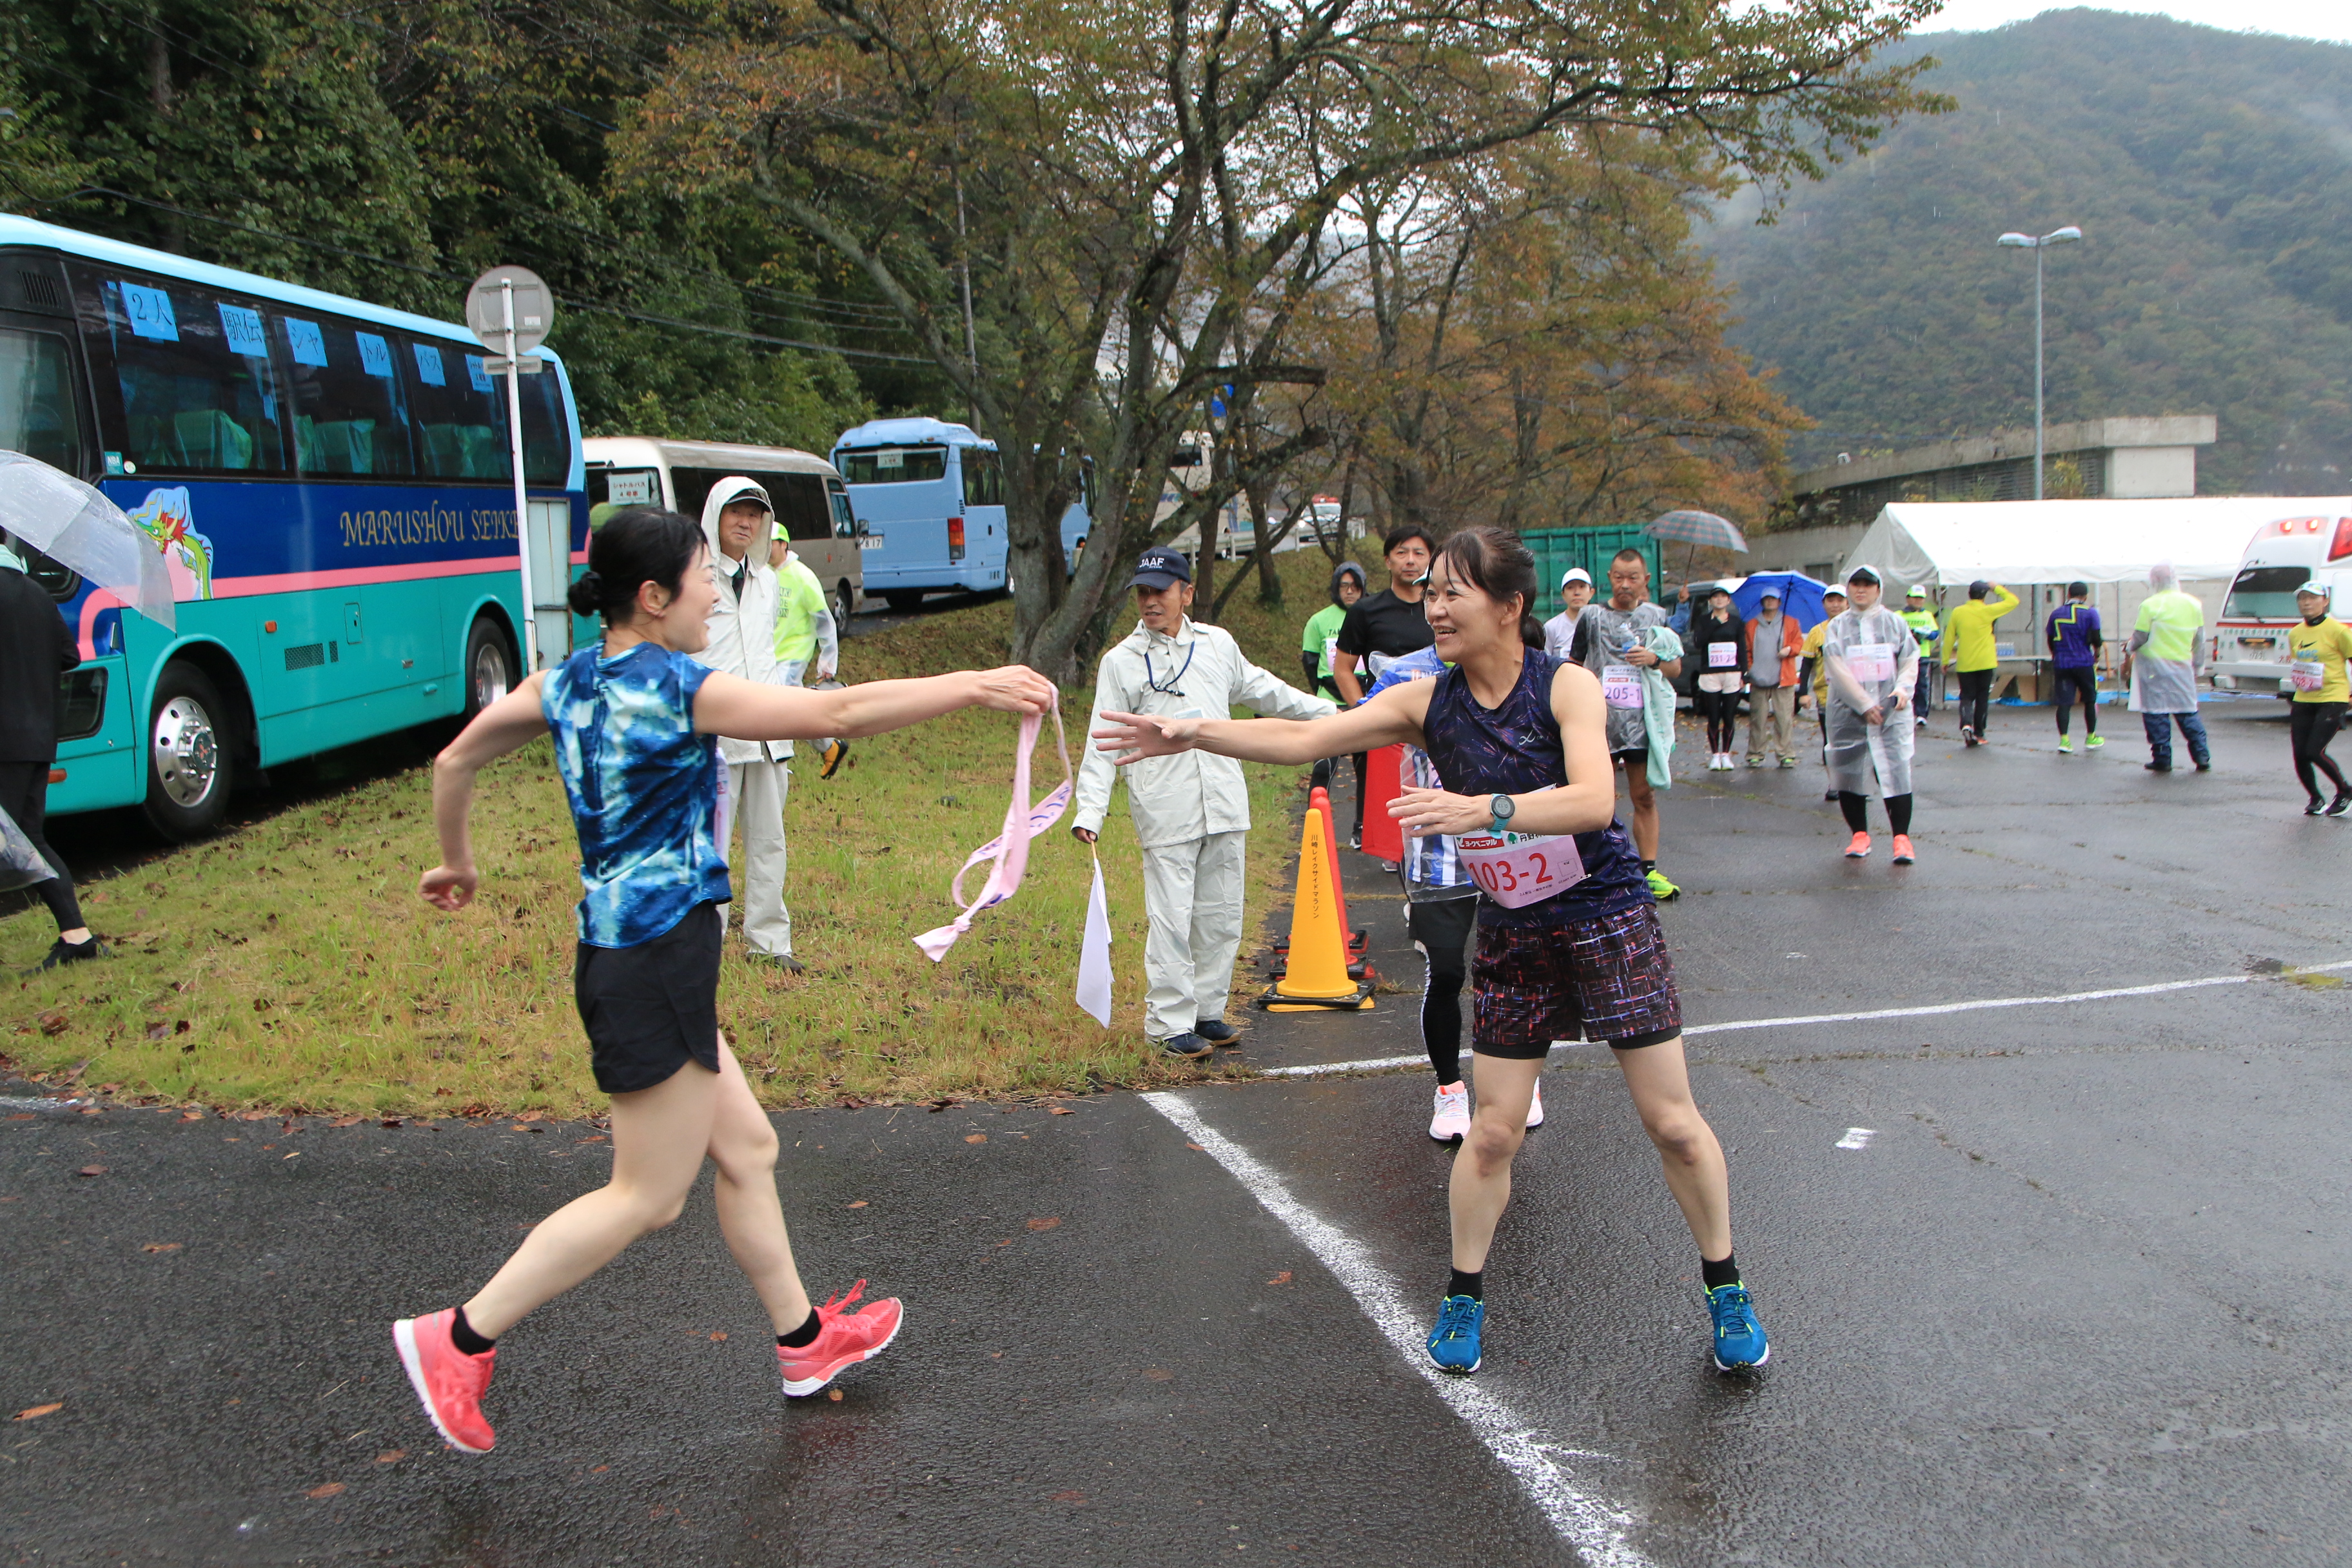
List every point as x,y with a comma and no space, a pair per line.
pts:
1377,1064
1597,1528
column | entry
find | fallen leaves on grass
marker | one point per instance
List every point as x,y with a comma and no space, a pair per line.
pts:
977,1138
37,1411
53,1022
347,1122
163,1247
332,1488
1048,1223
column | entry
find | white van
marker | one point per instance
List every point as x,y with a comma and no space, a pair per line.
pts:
2250,638
811,500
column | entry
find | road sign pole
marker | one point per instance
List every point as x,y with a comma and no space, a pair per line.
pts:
521,499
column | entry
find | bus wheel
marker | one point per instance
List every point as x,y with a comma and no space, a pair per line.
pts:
190,762
903,601
490,666
845,605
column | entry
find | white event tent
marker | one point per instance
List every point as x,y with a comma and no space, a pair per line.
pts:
1949,545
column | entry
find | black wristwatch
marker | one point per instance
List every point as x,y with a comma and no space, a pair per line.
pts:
1502,806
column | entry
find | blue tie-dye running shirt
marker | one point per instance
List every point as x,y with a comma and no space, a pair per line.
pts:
644,789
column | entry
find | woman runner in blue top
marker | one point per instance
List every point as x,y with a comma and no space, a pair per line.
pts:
1569,944
635,721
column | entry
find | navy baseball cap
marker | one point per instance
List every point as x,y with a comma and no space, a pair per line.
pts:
1161,569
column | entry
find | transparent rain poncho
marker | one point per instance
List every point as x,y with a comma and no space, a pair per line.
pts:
1871,655
21,864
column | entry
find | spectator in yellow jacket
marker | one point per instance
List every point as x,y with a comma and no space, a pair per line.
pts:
1967,643
1814,675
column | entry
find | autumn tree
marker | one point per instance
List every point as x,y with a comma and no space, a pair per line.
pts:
1119,184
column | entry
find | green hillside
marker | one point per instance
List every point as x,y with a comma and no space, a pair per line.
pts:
2211,175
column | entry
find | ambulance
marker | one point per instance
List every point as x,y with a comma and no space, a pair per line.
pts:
2314,545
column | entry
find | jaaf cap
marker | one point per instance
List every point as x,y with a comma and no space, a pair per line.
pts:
1576,574
1159,569
1864,574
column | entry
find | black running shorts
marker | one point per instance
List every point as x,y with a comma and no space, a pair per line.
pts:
1607,978
651,1008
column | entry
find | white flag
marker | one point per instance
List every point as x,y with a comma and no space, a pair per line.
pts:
1094,956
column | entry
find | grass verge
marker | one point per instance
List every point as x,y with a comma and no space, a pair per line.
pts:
291,965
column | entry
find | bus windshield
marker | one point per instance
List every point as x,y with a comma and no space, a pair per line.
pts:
2266,592
892,465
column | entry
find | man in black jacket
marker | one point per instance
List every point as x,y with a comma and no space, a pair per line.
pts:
34,648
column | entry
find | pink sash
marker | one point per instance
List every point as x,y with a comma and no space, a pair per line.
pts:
1010,848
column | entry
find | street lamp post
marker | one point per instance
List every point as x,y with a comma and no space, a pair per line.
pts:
2038,244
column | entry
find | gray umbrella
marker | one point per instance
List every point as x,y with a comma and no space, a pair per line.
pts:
80,529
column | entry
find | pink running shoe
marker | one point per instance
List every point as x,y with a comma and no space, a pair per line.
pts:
843,1338
1903,856
449,1382
1859,847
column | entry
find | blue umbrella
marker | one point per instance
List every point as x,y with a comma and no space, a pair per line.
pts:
1699,528
1801,597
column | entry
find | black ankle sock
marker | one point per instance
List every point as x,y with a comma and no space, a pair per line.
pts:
462,1335
1716,1275
804,1335
1473,1285
1648,866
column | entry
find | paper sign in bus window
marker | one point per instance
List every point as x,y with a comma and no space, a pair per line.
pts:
243,329
428,365
889,457
478,372
375,354
149,311
307,342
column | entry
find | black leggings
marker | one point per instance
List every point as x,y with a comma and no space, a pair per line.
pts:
2313,725
1721,711
24,795
1441,929
1975,699
1857,815
2072,683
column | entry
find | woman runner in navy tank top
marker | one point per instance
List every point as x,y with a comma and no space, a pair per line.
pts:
635,721
1569,942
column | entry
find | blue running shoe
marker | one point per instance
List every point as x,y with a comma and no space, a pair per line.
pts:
1453,1343
1738,1338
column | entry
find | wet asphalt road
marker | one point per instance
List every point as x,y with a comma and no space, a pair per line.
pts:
2079,1299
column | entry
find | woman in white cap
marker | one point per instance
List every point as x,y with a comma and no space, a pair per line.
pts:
2315,652
1872,659
1575,593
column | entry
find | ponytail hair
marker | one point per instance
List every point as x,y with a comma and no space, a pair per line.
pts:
1499,566
637,545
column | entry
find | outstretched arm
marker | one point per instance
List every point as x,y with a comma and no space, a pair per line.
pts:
1394,715
748,710
1587,802
511,723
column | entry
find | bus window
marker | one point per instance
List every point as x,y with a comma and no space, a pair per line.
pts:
845,521
461,430
892,465
983,477
610,490
801,505
546,435
2266,592
350,413
198,391
36,411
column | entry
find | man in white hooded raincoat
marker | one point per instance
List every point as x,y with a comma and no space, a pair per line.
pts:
1872,658
1190,810
735,520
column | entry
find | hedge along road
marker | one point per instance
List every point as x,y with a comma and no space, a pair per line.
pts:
2046,1283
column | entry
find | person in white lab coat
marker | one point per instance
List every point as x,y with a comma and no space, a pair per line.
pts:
1191,811
736,521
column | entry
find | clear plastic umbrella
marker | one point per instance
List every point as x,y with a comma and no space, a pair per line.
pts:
80,529
21,864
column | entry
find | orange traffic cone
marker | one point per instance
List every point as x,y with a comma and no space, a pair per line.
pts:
1317,976
1318,799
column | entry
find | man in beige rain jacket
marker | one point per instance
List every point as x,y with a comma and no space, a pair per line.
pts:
1190,810
735,519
